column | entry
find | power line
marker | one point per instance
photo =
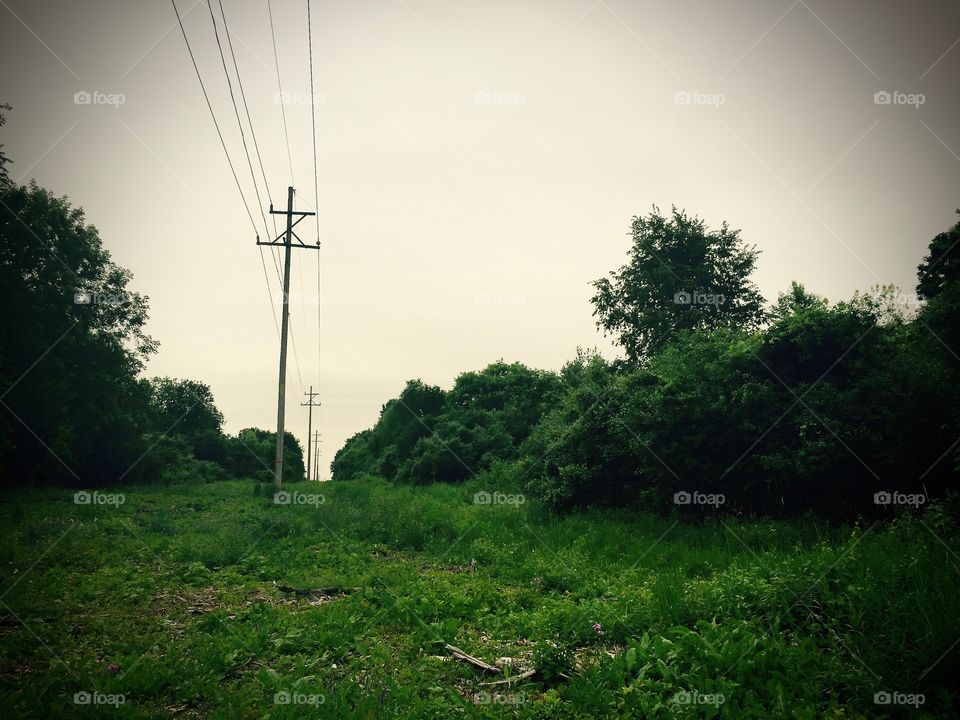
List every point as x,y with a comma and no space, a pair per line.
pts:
316,189
273,252
214,117
233,171
313,122
256,147
246,108
236,112
283,110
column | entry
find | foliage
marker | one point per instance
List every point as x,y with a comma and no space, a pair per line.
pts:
72,350
680,276
4,160
428,435
253,454
820,409
185,407
173,598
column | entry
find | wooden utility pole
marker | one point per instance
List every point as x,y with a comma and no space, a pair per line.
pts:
285,241
316,455
310,404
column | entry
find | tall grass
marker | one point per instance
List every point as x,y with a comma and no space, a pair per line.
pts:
622,614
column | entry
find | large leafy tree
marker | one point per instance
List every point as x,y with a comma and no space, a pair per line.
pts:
184,407
71,346
680,276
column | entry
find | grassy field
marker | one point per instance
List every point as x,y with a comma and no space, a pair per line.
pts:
216,601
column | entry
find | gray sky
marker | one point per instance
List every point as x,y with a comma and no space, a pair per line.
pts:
479,163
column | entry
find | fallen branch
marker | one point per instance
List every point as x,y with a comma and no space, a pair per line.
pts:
511,680
467,658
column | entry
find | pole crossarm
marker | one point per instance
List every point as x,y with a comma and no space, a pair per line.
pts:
280,242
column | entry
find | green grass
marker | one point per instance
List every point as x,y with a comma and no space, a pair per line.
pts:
178,588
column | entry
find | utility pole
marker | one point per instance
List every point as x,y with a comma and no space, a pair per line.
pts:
285,241
316,455
310,404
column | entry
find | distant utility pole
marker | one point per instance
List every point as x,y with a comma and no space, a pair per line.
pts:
310,404
285,241
316,455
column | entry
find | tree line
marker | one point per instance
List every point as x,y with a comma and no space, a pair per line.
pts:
77,409
800,405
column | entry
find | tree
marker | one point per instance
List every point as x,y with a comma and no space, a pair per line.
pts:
680,276
184,407
4,160
253,453
941,266
71,346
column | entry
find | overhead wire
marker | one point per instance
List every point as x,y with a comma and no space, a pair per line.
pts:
226,152
213,115
316,194
247,151
236,112
283,111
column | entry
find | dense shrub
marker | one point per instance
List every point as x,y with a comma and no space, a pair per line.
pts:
819,409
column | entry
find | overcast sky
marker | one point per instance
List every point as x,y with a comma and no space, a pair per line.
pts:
479,164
